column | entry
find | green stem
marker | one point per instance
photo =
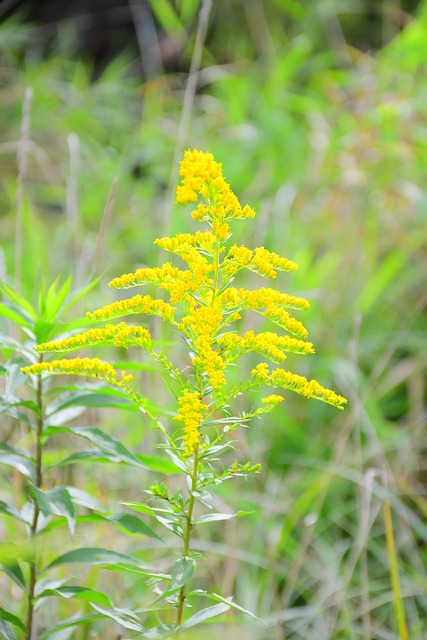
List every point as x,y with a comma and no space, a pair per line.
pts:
38,484
187,534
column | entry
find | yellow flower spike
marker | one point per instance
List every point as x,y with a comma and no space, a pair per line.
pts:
202,176
308,388
268,344
85,367
137,304
122,335
266,263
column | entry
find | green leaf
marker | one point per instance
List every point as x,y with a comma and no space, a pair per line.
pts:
95,397
205,614
78,593
214,517
15,316
19,300
13,570
233,605
14,345
6,630
10,409
10,617
100,557
11,511
106,444
84,499
132,524
14,377
14,458
56,501
177,462
182,572
55,299
74,296
123,617
10,552
168,18
72,622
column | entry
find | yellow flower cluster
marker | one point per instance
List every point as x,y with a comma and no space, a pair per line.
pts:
201,325
137,304
190,413
268,344
203,175
87,367
120,335
272,401
287,380
237,258
268,303
173,280
267,263
207,306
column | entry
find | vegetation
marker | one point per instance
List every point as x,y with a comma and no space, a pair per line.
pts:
328,145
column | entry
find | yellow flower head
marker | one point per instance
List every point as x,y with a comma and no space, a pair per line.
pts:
202,178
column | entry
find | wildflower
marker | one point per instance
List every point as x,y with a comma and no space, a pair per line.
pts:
202,177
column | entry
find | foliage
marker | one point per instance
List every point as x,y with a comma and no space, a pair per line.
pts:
330,148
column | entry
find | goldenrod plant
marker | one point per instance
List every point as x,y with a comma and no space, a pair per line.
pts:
203,309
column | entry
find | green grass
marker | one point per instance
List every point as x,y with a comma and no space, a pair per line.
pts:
333,158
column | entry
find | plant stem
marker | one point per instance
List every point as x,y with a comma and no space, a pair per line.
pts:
187,534
38,484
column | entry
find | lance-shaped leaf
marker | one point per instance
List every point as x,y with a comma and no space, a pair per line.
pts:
14,571
17,458
15,315
11,511
6,630
205,614
214,517
56,502
95,397
10,617
104,558
78,593
14,377
182,572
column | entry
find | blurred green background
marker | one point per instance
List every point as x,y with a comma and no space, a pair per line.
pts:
317,111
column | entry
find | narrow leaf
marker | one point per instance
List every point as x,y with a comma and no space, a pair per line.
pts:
205,614
56,501
214,517
95,556
6,630
19,300
10,617
123,617
233,605
23,465
14,315
182,572
13,570
78,593
11,511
